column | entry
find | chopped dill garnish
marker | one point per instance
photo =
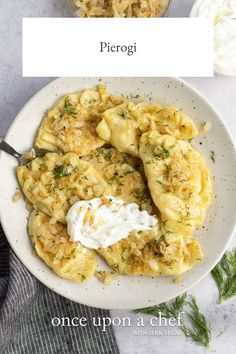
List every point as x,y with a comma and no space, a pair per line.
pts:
116,177
161,152
224,275
148,162
139,194
184,155
107,154
124,114
61,171
64,258
165,231
161,239
177,111
164,226
213,156
43,166
134,96
70,109
116,267
51,187
125,173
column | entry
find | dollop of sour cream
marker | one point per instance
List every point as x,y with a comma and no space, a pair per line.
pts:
223,15
101,222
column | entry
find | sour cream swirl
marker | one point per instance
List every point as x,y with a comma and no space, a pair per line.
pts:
101,222
223,15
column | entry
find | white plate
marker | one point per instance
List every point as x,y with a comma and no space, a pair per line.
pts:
126,292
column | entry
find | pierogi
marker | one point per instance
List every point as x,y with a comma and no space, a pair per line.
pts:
105,145
71,124
68,259
123,125
178,180
54,182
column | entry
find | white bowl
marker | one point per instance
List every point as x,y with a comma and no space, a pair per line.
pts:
220,70
126,292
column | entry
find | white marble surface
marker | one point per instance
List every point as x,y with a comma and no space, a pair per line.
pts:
15,91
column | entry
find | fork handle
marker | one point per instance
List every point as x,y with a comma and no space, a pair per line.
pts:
8,149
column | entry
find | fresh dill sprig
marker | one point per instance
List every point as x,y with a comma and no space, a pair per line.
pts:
167,309
200,331
224,275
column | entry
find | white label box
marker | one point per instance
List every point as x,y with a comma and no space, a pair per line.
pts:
78,47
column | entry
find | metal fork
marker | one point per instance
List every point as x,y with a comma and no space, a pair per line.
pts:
24,157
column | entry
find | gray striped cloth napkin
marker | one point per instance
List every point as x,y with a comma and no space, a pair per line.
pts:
27,308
